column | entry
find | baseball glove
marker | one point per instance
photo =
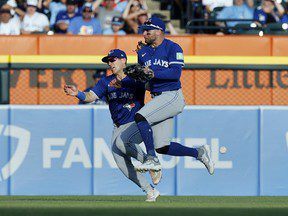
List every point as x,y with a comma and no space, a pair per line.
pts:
139,73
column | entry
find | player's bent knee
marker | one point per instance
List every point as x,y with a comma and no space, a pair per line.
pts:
138,118
163,150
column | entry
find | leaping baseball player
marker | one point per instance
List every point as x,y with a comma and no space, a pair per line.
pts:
161,61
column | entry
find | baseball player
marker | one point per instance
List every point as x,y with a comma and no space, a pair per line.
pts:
166,60
123,104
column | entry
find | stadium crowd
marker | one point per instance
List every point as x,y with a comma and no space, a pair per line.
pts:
81,17
121,17
236,14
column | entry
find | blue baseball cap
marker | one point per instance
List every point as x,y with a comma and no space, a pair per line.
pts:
114,53
153,23
87,5
117,20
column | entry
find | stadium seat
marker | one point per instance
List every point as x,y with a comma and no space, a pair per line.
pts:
247,29
277,29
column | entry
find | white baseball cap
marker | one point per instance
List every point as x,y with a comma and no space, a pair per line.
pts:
32,3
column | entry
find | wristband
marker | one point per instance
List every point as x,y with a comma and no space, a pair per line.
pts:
81,96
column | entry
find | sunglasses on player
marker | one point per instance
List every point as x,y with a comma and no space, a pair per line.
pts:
112,59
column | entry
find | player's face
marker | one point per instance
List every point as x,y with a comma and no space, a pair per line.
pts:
116,64
150,36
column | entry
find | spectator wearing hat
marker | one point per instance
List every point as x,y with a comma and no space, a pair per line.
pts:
64,17
86,24
9,25
116,28
14,7
96,77
268,12
34,22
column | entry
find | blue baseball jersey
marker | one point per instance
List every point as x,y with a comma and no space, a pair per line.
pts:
79,26
284,19
123,102
166,61
63,16
264,18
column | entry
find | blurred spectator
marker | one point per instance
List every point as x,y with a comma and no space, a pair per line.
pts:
64,18
135,20
134,6
284,18
239,10
135,17
120,5
211,4
116,29
106,13
169,26
9,25
43,7
85,24
268,12
14,7
55,7
34,22
96,77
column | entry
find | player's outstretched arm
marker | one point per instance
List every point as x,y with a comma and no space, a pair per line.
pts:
83,96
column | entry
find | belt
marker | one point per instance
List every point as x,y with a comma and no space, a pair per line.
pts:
154,94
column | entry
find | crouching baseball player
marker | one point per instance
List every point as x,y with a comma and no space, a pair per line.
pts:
123,104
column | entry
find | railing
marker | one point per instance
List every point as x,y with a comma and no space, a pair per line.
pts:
245,26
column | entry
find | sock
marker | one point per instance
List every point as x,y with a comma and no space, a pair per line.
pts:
147,136
177,149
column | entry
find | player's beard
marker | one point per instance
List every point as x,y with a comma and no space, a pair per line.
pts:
149,41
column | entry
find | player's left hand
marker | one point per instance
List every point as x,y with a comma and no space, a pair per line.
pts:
149,72
139,73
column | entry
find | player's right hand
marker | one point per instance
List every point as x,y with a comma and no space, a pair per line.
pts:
70,90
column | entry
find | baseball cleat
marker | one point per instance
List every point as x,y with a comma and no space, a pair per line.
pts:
204,156
151,163
155,176
152,195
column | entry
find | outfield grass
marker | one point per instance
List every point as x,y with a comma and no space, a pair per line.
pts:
135,205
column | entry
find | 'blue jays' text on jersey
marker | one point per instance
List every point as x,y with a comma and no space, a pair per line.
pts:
166,61
123,102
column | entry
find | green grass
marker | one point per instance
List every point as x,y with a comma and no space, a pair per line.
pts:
135,205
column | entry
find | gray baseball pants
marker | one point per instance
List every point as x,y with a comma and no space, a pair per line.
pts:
125,144
159,113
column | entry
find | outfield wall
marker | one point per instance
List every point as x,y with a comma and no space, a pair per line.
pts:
64,150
